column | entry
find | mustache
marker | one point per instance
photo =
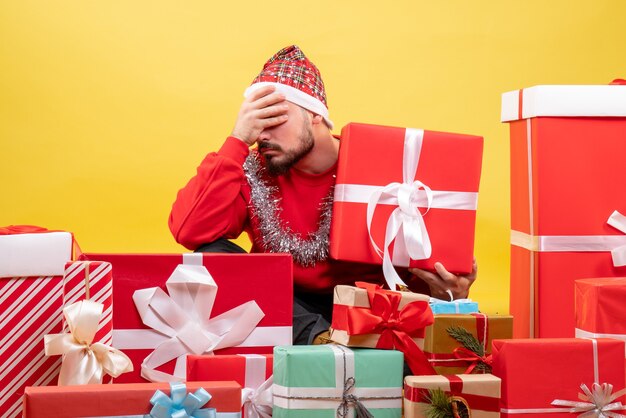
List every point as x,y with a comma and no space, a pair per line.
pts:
267,145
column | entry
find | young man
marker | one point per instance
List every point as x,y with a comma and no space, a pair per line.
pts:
281,192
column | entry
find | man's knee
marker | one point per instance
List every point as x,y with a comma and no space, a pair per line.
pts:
221,245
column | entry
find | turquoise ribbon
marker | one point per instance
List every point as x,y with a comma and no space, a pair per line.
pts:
181,404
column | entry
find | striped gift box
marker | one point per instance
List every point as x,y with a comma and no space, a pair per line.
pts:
30,307
91,280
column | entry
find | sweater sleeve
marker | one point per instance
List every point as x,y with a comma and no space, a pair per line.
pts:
212,205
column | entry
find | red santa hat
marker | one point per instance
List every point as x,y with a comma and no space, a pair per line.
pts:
297,78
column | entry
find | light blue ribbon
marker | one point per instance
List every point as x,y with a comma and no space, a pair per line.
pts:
181,404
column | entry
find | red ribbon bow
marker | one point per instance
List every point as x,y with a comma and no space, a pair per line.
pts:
464,354
396,328
21,229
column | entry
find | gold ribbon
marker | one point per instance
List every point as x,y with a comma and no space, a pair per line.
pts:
87,284
597,403
85,362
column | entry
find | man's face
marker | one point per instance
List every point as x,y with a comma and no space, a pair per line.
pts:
284,145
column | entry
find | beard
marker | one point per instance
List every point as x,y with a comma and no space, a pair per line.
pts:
279,165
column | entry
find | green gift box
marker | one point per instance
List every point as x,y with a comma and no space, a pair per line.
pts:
324,381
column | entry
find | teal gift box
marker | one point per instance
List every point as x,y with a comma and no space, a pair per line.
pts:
328,381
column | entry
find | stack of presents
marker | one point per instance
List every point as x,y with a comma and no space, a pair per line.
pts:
209,335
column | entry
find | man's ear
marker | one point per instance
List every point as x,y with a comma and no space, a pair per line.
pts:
317,119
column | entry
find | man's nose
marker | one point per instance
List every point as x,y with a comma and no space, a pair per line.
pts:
264,135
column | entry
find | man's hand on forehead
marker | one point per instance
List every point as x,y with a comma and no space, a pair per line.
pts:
262,109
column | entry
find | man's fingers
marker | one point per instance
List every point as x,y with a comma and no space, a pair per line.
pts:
445,274
272,111
474,272
276,120
268,100
428,277
260,92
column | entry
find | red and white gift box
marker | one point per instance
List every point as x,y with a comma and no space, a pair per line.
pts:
32,262
91,280
600,308
251,371
395,204
201,320
567,149
543,377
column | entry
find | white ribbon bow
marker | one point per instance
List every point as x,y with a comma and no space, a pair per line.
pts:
258,403
84,362
597,403
406,220
184,317
618,221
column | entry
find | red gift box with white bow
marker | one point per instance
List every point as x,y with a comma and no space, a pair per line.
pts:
543,377
170,305
252,371
406,197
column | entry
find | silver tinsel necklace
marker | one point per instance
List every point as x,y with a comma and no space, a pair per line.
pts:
276,235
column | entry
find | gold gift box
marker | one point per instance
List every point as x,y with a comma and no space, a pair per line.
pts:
480,393
439,346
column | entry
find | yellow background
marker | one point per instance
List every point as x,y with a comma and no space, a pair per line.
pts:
107,107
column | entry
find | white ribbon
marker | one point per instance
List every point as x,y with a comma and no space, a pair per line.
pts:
84,362
258,403
144,339
581,333
596,403
184,317
406,221
616,244
256,396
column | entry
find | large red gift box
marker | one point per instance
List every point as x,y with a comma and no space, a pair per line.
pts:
600,308
567,157
266,279
120,400
536,372
408,166
32,261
